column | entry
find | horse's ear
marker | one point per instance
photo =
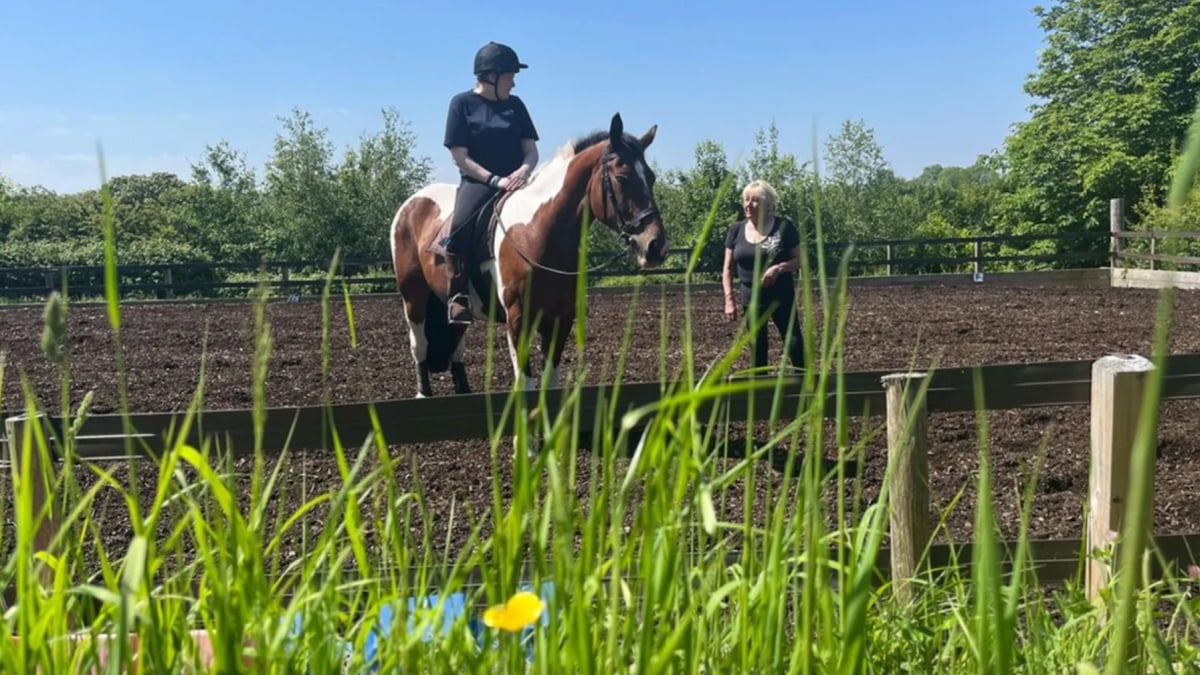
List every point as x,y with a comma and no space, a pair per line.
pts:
648,137
616,130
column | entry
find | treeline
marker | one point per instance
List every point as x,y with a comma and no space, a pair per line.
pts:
1114,92
307,203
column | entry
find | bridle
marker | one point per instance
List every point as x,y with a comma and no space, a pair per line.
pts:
626,229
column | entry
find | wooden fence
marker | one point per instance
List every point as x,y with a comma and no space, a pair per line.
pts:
1137,261
1126,255
1111,386
975,256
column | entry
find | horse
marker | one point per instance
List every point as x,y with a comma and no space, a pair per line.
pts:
528,250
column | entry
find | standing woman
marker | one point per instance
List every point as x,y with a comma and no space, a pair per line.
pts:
768,242
493,142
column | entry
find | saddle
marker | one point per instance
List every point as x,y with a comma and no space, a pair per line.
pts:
482,250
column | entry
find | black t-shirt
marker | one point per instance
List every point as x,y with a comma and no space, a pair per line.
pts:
776,247
490,130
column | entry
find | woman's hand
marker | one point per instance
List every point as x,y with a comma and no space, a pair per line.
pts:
768,277
515,179
730,308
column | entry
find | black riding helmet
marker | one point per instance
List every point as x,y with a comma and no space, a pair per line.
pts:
495,58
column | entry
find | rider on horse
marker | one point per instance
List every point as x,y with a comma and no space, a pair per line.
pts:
493,142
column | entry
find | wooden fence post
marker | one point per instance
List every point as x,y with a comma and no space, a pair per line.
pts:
1118,382
1116,225
908,455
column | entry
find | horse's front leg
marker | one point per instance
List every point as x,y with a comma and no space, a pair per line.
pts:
521,368
554,334
523,379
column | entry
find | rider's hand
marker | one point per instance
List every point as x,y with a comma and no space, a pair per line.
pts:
515,179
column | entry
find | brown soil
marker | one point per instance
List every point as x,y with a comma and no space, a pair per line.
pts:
888,327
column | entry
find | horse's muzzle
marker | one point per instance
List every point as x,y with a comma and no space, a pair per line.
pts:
651,246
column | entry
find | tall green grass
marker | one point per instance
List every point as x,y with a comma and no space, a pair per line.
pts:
658,564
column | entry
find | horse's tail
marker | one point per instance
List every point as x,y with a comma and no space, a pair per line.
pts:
439,340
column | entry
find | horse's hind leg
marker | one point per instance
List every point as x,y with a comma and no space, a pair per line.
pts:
414,314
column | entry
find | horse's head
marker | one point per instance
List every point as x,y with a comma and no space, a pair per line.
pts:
623,197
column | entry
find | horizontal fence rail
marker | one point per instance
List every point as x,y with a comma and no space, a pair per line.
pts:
887,257
480,415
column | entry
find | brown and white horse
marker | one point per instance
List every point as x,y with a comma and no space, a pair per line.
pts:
531,258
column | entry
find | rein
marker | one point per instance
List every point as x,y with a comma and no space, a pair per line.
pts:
626,231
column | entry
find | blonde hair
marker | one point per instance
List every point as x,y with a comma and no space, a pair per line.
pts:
767,197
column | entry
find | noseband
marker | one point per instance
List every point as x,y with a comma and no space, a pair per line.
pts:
626,229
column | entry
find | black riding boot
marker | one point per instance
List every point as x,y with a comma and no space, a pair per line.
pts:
458,302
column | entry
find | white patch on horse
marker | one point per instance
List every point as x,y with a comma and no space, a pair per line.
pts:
442,194
416,339
543,186
522,382
639,168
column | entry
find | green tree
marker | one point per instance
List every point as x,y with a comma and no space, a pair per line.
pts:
318,206
373,181
858,185
301,190
228,217
1115,87
148,206
685,198
791,178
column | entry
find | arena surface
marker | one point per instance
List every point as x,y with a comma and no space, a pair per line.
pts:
887,328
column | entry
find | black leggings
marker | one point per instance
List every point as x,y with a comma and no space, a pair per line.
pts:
781,307
468,203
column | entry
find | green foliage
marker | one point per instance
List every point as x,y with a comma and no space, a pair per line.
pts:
685,198
1162,217
319,206
1116,86
306,207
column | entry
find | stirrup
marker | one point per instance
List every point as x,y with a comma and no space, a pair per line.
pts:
458,309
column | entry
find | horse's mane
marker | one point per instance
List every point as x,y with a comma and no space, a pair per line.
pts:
547,179
580,143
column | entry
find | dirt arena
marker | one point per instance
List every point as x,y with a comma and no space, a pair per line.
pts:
887,327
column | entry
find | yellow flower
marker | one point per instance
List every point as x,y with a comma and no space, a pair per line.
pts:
521,610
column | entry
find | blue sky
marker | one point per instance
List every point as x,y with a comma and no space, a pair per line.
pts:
938,81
